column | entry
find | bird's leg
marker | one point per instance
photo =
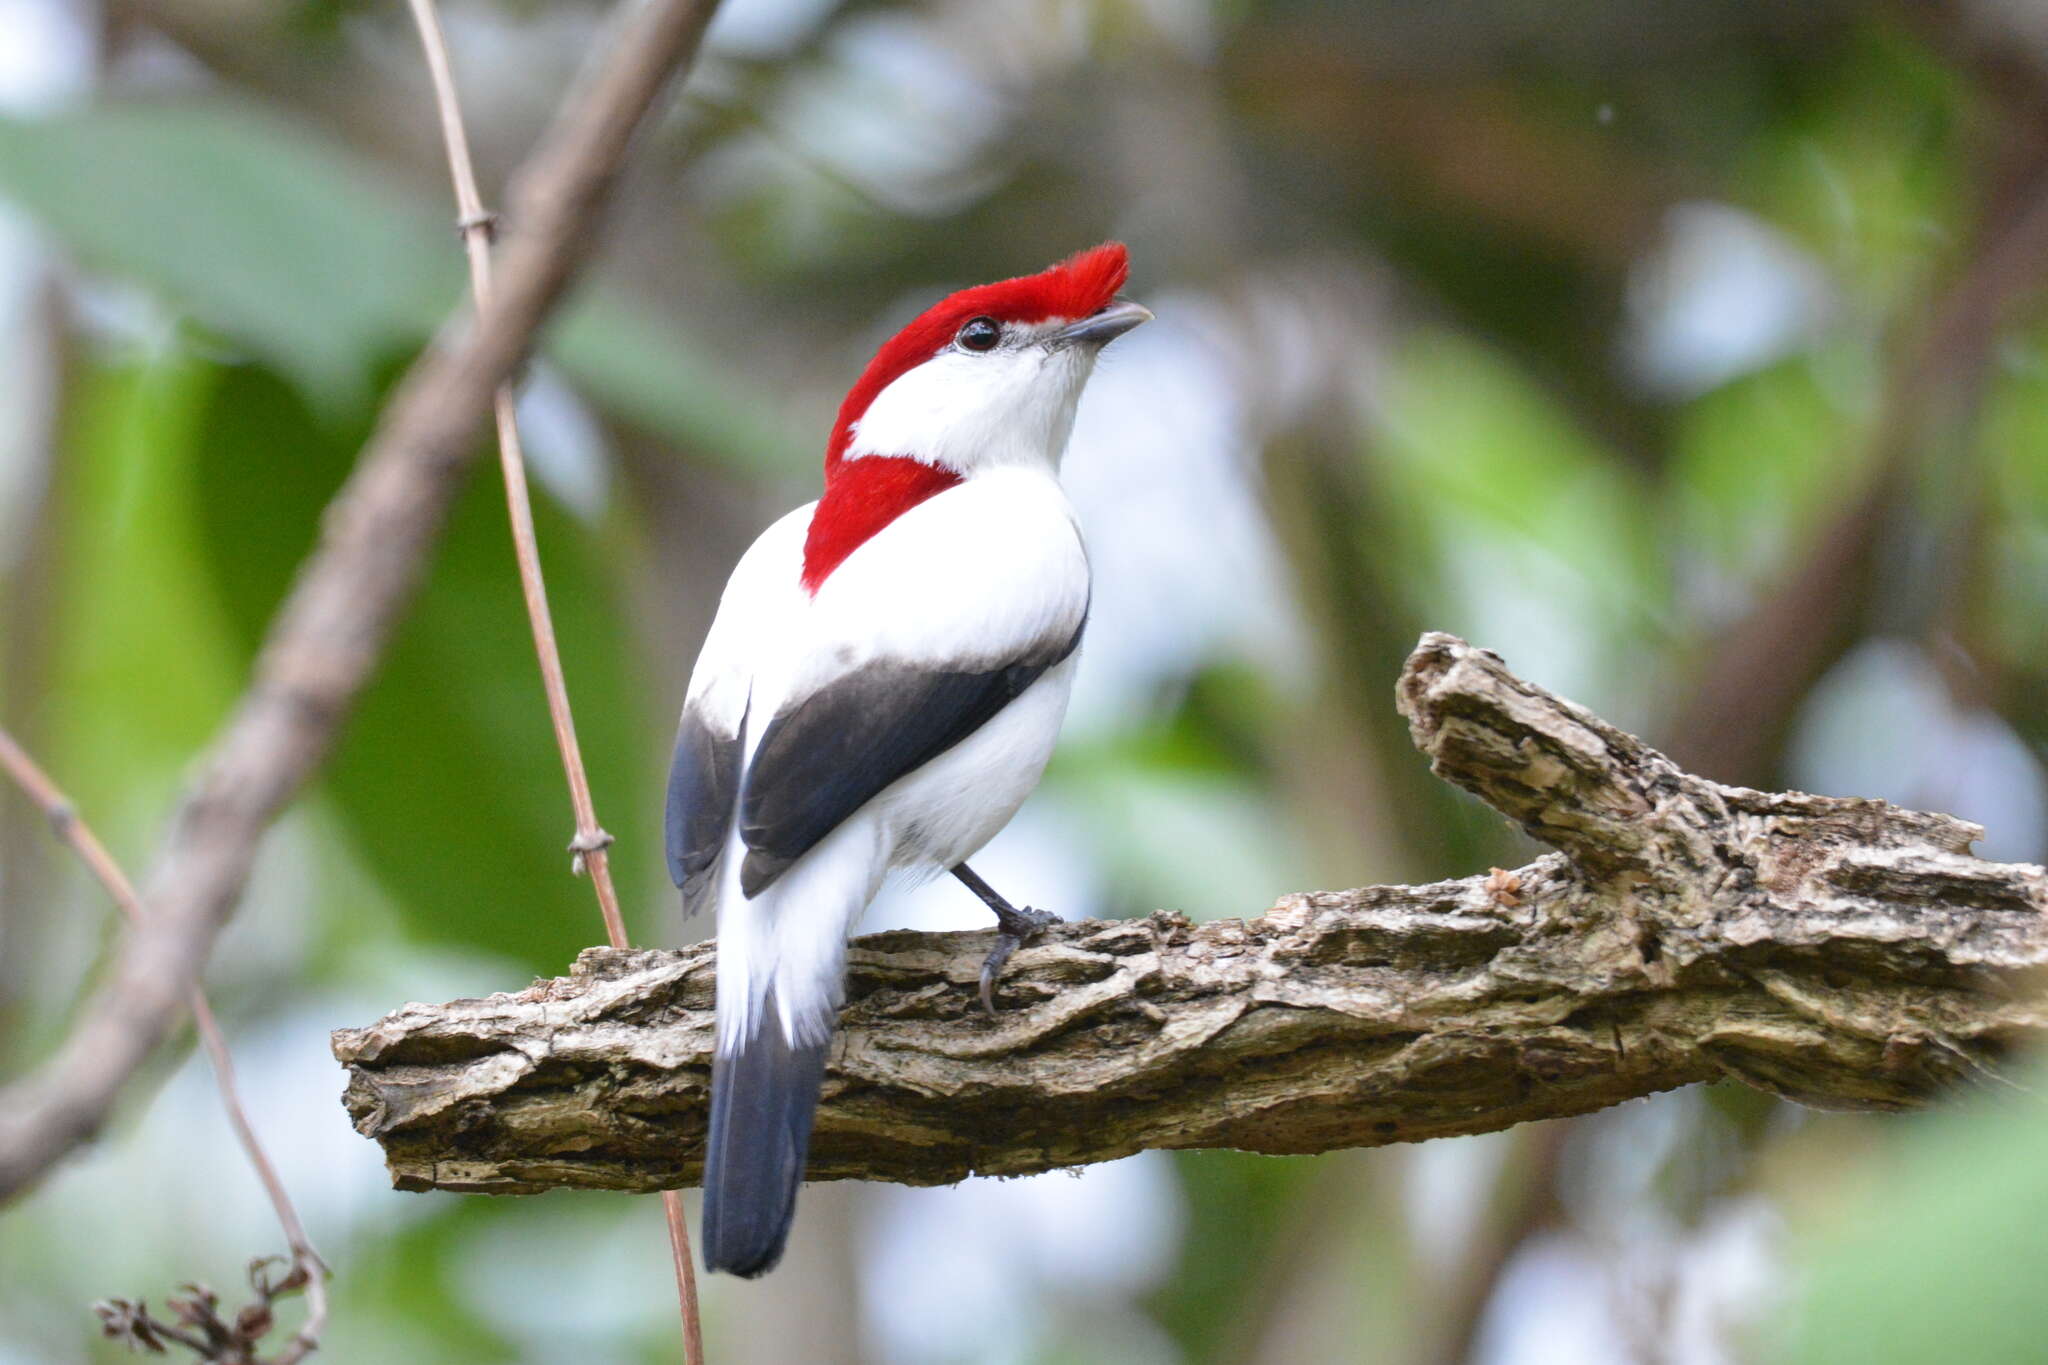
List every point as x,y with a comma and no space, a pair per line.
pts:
1014,927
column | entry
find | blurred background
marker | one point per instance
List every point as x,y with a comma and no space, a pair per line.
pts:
1690,355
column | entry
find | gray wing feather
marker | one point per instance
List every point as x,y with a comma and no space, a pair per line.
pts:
825,757
703,786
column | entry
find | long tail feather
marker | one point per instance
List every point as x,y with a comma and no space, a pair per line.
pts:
763,1095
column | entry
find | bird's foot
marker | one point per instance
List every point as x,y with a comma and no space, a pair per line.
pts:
1014,928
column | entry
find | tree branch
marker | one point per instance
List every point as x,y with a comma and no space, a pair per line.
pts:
326,639
1838,952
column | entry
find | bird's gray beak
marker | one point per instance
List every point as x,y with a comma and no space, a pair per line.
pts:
1105,326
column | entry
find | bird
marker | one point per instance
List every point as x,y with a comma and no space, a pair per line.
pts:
879,691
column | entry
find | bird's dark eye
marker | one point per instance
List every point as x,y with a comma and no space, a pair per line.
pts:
980,334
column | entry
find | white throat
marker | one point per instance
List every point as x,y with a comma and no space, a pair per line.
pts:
972,412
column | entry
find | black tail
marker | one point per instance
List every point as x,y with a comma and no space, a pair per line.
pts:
762,1099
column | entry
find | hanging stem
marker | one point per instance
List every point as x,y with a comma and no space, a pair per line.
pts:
589,846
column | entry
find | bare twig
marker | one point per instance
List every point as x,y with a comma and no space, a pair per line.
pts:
591,841
1836,951
308,1270
327,638
202,1330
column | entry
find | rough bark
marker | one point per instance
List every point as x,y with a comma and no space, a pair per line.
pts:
1838,952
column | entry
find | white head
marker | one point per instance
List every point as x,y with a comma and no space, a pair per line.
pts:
997,393
989,377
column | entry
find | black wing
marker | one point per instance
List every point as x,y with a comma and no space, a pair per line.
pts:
824,758
703,783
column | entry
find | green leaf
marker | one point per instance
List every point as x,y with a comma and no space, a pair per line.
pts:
298,250
138,682
261,232
1492,489
644,372
447,775
1763,461
1942,1257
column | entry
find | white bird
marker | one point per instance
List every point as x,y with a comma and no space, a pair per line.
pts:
879,692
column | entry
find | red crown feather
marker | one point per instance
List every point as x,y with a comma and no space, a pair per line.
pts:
863,496
1083,283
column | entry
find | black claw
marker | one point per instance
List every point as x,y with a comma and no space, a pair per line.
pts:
991,967
1015,928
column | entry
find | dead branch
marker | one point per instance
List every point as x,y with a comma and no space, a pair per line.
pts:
307,1271
326,639
1838,952
199,1327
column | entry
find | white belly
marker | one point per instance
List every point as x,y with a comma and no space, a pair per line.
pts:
974,578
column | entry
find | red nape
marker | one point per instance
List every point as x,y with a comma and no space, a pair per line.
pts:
861,497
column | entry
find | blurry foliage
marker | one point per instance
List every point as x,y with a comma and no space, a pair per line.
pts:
1865,168
290,246
1750,518
1238,1201
442,779
1474,449
1940,1252
1456,427
243,223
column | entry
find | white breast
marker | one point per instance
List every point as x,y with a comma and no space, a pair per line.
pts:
981,572
971,579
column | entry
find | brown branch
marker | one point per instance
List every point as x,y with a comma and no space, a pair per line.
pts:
328,636
308,1271
1839,952
591,841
